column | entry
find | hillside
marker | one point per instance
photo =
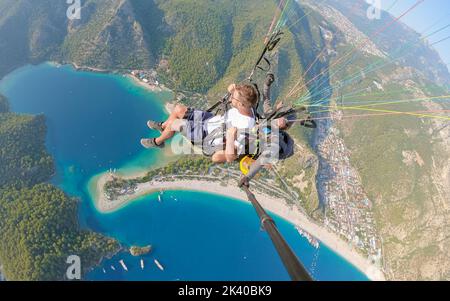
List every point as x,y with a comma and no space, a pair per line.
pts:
39,231
23,157
398,164
4,105
204,43
381,182
398,40
38,222
30,32
120,23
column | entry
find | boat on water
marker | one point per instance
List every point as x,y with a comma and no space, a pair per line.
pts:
123,265
160,195
311,239
104,271
113,268
159,265
142,263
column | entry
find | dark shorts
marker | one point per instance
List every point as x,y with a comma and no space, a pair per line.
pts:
195,127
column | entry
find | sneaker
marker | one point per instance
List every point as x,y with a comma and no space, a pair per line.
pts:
155,125
151,143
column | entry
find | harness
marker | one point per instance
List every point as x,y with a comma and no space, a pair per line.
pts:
272,42
252,139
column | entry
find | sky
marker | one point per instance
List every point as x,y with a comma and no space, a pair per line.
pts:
427,17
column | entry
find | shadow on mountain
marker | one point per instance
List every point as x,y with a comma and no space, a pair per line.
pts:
156,30
317,80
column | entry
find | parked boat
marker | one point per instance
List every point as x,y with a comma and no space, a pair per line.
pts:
123,265
159,265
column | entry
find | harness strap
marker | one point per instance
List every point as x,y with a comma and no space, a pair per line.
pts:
285,111
225,100
270,45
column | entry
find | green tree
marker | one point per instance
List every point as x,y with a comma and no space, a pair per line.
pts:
39,230
4,105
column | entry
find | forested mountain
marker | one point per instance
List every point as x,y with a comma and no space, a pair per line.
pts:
30,32
23,157
38,222
39,231
4,105
113,35
204,40
399,164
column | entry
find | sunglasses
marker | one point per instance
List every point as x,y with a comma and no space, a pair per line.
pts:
238,100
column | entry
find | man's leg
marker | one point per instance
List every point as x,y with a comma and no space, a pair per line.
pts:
219,157
172,127
178,113
168,132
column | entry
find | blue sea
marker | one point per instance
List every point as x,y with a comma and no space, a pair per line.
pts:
95,122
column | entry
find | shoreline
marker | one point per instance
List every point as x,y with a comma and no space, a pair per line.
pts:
151,88
272,204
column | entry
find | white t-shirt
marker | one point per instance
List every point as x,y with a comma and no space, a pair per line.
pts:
234,119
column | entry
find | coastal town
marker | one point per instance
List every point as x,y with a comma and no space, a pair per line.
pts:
148,78
348,208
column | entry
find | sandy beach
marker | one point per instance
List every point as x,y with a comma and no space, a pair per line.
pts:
272,204
151,88
148,86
